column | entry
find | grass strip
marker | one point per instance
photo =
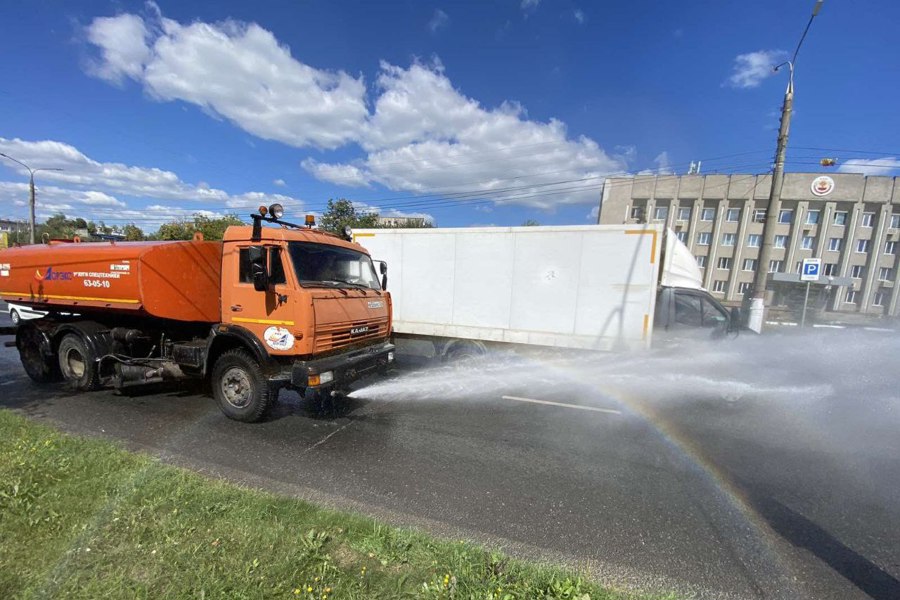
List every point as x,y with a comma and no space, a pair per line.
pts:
83,518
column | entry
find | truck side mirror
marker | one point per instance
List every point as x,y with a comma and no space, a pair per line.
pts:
258,268
382,268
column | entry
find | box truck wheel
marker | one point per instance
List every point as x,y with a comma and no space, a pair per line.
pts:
78,364
39,367
239,386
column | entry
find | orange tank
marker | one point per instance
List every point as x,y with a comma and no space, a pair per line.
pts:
168,280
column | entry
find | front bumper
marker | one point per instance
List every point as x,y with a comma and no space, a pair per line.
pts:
346,368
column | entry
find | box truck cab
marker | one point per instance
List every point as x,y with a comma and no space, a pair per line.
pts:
264,309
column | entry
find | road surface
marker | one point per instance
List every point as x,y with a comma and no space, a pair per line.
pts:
717,491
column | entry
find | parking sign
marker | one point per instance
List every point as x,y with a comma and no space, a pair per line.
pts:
812,268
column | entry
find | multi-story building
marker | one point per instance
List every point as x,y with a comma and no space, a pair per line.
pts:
850,221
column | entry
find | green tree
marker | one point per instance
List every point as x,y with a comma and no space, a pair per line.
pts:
133,233
340,213
211,228
530,223
57,227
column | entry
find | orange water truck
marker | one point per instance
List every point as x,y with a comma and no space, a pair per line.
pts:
274,305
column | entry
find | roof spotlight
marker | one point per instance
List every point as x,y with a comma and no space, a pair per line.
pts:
263,210
276,210
348,233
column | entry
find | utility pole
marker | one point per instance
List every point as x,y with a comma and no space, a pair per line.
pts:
758,302
31,172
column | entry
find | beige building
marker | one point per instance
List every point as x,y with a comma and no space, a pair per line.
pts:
850,221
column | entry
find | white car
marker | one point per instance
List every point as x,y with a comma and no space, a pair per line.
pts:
18,312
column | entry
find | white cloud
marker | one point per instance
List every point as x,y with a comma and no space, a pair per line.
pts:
235,70
528,5
876,166
279,182
750,69
438,20
579,15
123,47
421,135
348,175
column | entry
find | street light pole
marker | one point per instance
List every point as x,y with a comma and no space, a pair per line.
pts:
758,302
31,173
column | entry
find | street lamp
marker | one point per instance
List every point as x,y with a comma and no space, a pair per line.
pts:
31,188
758,302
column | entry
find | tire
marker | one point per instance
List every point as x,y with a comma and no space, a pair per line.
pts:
38,366
239,386
464,353
77,363
14,315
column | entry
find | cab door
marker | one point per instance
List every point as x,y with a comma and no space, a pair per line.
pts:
269,314
690,314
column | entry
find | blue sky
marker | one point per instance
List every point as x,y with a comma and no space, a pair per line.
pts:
470,113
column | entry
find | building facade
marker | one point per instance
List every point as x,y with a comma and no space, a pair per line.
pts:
850,221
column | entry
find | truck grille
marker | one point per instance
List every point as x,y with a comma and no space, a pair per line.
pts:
338,335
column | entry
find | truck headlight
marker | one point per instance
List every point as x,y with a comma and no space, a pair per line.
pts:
320,379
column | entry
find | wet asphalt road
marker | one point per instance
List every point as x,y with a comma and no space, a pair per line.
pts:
714,499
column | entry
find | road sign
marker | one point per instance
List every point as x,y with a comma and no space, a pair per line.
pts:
812,268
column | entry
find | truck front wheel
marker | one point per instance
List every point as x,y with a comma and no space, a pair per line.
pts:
39,367
239,386
78,364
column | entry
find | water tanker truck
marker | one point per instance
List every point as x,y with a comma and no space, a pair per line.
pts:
269,307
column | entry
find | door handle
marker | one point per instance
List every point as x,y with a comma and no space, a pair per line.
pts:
236,308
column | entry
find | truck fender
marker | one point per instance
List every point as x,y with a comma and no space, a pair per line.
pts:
95,335
225,337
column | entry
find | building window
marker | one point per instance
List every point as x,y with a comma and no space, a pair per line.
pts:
834,244
637,212
885,274
759,215
895,221
807,242
786,215
733,215
728,239
850,298
812,217
743,287
868,219
719,286
780,241
840,217
753,240
862,246
829,269
703,238
708,214
749,264
661,213
684,213
775,266
682,235
856,271
879,298
701,262
890,248
724,262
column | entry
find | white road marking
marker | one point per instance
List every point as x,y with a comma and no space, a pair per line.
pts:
564,405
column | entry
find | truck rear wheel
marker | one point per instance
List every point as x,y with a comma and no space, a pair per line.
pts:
239,386
38,366
78,364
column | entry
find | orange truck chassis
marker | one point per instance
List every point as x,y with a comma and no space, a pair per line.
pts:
267,308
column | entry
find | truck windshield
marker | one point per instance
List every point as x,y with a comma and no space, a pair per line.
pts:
322,265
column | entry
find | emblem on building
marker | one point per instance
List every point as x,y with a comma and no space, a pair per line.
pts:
822,185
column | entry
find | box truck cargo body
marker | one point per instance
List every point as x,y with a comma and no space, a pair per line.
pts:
593,287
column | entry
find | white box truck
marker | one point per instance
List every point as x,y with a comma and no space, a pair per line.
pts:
593,287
